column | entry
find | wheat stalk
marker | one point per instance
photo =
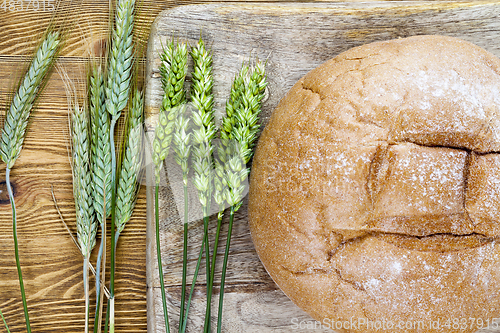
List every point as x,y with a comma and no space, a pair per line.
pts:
101,171
174,89
14,130
17,116
182,149
131,164
238,134
86,225
120,61
204,132
4,322
173,72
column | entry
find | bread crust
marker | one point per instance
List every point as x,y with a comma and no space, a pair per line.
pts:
375,187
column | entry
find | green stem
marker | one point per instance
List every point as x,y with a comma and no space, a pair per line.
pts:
86,291
224,267
184,256
212,274
16,249
113,204
106,323
158,254
4,322
206,219
97,312
117,236
182,329
99,298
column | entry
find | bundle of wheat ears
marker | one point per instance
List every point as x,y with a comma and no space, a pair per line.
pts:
101,190
219,172
106,182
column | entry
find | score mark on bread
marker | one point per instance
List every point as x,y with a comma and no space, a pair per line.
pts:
375,188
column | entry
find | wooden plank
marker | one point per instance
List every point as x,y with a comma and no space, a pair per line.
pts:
51,263
246,309
294,38
52,266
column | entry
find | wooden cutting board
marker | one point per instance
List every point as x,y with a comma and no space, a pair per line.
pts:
294,38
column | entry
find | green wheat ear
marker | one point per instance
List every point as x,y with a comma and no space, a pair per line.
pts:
173,73
128,184
238,136
100,146
86,226
86,223
17,116
203,120
121,58
239,130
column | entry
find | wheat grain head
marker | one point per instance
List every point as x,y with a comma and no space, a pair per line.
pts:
173,73
120,59
182,146
16,119
100,146
239,131
86,226
203,120
128,184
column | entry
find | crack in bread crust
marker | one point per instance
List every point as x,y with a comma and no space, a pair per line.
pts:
311,271
442,242
426,243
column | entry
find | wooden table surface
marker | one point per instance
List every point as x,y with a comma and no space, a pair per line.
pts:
52,265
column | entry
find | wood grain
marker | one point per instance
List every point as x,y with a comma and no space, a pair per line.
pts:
51,263
294,38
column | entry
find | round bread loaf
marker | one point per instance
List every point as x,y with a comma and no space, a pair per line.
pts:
375,188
